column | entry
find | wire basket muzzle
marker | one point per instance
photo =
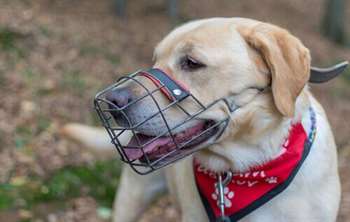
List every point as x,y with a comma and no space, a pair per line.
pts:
151,131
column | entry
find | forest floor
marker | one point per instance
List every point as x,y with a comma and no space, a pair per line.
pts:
55,55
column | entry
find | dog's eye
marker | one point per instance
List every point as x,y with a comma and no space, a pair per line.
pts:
190,64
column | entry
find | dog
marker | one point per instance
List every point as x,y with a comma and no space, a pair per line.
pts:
227,56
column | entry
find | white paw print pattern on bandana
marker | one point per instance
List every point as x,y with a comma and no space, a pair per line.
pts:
204,170
271,180
228,197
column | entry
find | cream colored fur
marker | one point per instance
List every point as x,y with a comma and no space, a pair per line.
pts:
239,53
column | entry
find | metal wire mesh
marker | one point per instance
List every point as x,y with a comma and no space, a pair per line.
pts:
111,115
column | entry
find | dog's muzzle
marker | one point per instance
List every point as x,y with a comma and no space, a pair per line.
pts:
144,130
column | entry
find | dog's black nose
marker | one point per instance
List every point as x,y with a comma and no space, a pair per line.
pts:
119,97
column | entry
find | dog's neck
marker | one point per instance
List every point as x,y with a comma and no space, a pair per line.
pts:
241,155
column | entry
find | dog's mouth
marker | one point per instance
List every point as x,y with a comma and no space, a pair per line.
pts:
154,148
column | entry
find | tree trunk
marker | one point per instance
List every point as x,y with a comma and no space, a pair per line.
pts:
333,25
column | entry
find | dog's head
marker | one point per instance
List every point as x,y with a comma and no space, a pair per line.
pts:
217,58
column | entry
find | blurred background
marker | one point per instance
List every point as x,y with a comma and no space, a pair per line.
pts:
56,54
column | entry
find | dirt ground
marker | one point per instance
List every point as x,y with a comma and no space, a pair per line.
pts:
56,54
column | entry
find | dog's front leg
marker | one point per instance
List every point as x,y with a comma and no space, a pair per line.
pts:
135,192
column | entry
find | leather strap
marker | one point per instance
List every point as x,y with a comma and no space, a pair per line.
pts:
321,75
172,89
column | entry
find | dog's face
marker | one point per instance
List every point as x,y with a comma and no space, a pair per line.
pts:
219,58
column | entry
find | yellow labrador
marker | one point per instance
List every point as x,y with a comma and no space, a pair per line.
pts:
227,56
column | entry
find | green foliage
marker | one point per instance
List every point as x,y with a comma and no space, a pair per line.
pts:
45,31
333,24
94,119
2,78
112,58
74,82
42,123
86,50
98,180
346,75
25,133
6,199
2,137
23,136
8,39
30,75
90,50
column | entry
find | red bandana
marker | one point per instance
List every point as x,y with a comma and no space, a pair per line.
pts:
249,190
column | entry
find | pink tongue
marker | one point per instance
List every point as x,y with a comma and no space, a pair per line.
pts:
134,152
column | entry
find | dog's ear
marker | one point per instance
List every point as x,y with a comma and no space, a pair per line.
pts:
287,59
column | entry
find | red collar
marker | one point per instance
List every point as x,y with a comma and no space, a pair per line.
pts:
249,190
